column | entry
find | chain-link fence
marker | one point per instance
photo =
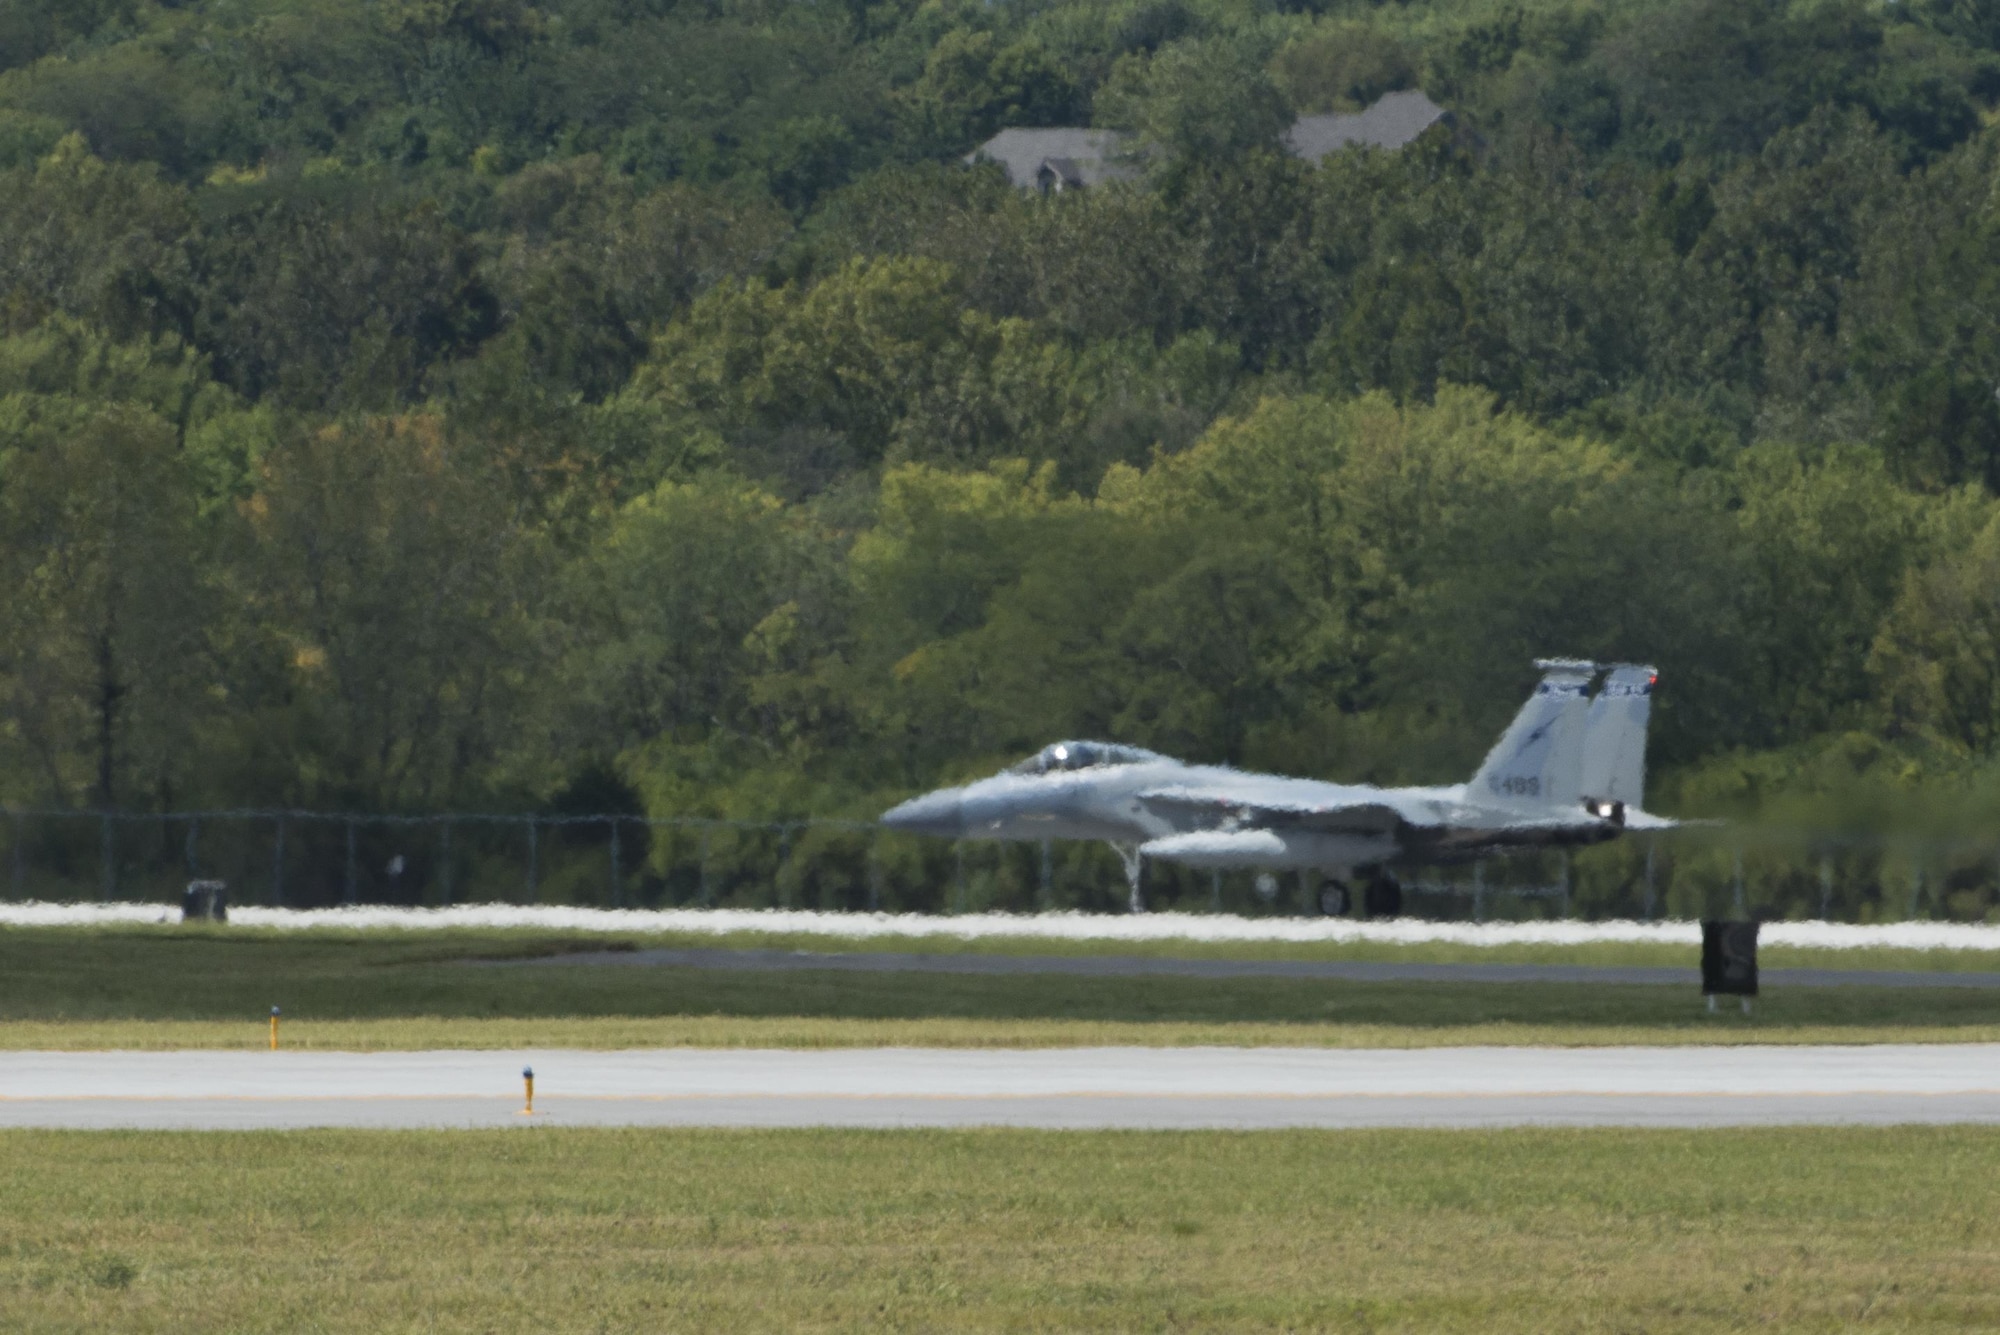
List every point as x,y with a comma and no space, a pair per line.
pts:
314,859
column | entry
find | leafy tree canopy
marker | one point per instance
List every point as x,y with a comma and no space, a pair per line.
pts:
416,404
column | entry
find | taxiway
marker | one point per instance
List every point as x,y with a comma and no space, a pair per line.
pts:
1056,1088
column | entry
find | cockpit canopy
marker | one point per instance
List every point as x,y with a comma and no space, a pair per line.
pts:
1081,755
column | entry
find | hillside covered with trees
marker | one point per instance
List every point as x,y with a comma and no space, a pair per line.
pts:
416,405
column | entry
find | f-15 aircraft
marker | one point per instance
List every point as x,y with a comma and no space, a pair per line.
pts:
1569,770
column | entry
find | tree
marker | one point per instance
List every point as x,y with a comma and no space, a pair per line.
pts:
973,84
104,635
343,309
708,616
1342,67
676,586
1200,99
1937,657
399,638
110,245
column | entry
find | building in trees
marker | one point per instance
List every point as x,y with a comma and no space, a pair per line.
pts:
1068,157
1393,120
1058,158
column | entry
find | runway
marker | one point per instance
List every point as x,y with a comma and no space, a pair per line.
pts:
1070,1088
1136,966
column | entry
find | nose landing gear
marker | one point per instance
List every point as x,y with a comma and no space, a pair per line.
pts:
1382,897
1135,867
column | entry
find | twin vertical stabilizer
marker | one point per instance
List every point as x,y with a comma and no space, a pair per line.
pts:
1614,737
1567,747
1537,761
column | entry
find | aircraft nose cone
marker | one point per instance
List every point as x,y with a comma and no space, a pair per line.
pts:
933,813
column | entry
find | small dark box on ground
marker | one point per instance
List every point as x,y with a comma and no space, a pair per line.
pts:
205,899
1729,959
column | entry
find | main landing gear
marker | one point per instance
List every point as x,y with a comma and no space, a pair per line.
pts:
1381,897
1334,900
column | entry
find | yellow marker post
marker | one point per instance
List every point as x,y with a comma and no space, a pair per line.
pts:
274,1028
528,1079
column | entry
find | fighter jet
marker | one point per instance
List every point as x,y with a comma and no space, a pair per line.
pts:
1569,770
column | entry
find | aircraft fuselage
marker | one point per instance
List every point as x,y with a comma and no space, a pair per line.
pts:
1437,824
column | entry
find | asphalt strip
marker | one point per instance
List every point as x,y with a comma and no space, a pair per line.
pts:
1074,1088
1137,966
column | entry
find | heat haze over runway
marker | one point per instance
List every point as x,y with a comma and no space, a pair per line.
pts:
1243,1088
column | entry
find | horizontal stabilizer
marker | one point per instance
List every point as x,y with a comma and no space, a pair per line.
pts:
1646,820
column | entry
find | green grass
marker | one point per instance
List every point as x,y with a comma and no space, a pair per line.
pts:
419,1032
203,986
580,1230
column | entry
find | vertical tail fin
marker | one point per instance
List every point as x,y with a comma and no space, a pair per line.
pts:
1538,760
1614,737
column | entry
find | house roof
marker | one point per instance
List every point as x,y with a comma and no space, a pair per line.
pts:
1078,156
1066,170
1092,155
1393,121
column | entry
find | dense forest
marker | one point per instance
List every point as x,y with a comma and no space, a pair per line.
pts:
417,405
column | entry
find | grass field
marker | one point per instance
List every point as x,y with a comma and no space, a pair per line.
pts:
206,987
538,1230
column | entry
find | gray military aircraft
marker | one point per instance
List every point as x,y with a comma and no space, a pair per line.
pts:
1569,770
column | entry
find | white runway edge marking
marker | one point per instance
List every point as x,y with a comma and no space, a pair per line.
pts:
1188,1088
1193,927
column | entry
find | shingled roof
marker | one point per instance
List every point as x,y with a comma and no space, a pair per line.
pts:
1393,121
1073,156
1067,156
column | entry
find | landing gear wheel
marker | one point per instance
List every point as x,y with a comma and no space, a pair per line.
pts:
1334,901
1382,898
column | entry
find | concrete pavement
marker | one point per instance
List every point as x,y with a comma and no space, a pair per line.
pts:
1063,1088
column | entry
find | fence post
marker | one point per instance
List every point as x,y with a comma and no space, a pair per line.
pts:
707,889
782,891
958,878
444,859
874,874
534,861
1479,892
107,860
353,868
1214,889
617,872
278,867
1825,886
1045,898
1565,883
1916,884
1652,849
20,855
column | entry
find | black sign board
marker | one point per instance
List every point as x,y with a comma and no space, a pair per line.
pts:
1729,959
205,899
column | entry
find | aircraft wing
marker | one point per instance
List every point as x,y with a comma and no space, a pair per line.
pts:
1333,813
